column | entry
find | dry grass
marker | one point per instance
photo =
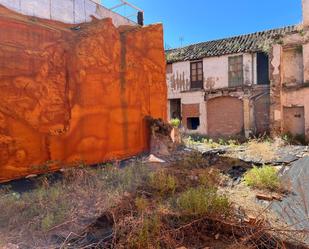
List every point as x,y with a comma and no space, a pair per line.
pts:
264,150
130,208
194,160
64,206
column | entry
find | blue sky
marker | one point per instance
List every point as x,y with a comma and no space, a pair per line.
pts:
202,20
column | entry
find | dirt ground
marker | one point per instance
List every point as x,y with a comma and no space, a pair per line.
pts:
146,202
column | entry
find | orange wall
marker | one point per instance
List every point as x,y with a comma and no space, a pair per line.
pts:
75,94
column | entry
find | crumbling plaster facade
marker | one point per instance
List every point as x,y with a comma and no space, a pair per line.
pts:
215,86
290,81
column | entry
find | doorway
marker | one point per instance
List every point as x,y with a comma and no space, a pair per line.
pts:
175,108
294,120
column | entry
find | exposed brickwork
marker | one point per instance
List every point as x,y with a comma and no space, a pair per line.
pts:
225,116
189,111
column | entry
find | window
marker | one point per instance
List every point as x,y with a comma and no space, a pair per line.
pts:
193,123
236,73
262,69
197,75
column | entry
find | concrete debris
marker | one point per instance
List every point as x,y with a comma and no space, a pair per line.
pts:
153,159
269,197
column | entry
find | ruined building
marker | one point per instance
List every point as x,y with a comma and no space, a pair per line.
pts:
289,72
75,87
242,85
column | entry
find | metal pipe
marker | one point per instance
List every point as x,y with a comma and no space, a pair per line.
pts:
132,6
117,6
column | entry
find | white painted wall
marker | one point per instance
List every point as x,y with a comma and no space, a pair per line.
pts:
215,77
215,74
67,11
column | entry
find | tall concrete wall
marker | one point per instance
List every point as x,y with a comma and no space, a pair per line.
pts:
67,11
76,95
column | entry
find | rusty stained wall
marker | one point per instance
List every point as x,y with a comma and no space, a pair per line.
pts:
75,95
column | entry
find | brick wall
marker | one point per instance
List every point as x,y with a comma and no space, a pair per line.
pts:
225,116
189,111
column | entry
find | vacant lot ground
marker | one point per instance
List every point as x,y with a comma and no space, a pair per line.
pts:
219,195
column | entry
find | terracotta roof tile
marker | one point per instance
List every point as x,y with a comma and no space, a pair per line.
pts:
239,44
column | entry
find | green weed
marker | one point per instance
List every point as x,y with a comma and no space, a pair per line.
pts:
202,201
265,177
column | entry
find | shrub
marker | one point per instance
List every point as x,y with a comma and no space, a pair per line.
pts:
202,201
146,235
141,204
175,122
162,182
210,178
265,177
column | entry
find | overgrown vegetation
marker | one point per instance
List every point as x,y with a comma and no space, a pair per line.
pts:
56,205
175,122
162,182
202,201
139,206
294,139
265,177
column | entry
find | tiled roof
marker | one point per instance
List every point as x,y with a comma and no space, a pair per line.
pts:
239,44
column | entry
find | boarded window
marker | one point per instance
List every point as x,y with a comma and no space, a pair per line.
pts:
236,72
197,75
169,68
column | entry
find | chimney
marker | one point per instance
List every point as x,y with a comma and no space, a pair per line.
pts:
306,13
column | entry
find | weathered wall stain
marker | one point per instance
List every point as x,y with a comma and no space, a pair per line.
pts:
75,94
180,82
210,82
